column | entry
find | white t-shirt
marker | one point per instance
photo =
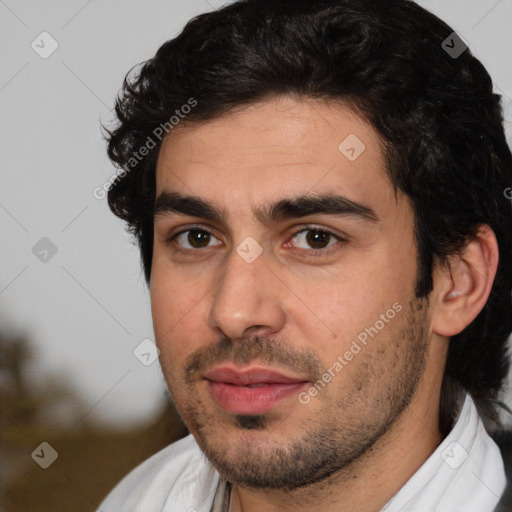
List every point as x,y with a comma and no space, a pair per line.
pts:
464,474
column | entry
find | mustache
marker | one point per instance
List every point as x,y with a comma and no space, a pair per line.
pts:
255,349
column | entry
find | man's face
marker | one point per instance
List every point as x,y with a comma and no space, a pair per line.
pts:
269,291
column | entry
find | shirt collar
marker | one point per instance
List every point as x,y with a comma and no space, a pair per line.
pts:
465,472
222,497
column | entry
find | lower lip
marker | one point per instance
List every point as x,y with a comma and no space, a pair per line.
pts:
251,401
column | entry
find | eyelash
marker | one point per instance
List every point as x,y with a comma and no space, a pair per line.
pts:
312,252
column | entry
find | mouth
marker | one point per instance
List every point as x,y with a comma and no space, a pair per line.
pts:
252,390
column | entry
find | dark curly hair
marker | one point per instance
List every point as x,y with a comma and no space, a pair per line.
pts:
441,125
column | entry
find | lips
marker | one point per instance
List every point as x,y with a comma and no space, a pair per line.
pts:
251,391
250,376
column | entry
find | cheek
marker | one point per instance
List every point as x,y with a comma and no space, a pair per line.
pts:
332,314
178,312
339,308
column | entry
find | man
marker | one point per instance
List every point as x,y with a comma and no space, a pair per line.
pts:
317,189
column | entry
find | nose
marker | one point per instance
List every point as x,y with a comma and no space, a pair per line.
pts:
246,300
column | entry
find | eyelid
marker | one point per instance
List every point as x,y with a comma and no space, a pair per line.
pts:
300,229
191,227
319,227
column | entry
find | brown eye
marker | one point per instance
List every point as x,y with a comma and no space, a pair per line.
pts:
195,239
315,239
198,239
318,239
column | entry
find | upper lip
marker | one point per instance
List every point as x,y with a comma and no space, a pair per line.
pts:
249,376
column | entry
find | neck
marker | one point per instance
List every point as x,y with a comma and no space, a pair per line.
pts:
369,482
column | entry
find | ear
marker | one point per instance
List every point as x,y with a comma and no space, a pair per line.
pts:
462,285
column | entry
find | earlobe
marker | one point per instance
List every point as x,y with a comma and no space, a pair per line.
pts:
462,286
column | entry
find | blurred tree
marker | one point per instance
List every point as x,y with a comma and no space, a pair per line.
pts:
91,459
14,403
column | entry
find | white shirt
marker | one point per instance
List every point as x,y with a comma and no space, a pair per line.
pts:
464,474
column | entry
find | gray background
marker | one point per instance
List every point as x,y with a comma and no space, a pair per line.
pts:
86,309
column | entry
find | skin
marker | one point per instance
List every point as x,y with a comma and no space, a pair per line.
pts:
358,441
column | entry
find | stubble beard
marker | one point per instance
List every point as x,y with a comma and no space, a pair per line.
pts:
247,452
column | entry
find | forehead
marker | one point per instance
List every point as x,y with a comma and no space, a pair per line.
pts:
276,148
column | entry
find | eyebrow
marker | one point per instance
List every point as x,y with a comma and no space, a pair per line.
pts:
289,208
